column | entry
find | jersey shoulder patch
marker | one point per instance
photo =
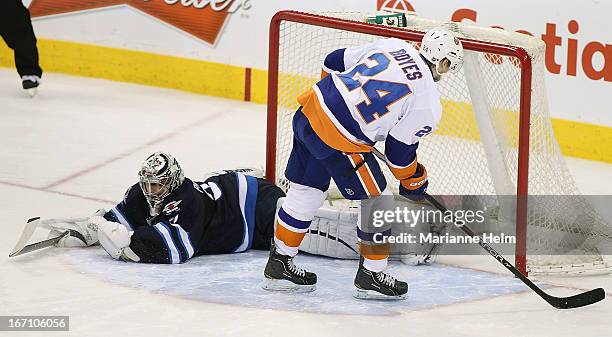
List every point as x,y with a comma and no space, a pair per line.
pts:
172,207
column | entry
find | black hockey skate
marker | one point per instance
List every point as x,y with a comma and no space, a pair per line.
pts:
378,286
30,83
282,275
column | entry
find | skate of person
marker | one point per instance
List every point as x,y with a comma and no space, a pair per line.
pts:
16,30
380,92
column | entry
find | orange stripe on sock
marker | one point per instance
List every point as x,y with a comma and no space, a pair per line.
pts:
291,239
374,252
368,180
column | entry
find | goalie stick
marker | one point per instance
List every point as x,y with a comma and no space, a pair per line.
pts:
576,301
29,229
42,244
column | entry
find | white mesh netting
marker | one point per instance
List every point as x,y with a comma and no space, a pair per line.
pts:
474,151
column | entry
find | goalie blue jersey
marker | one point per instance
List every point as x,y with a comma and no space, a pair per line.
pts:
224,214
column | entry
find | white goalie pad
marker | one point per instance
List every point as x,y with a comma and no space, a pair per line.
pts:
333,233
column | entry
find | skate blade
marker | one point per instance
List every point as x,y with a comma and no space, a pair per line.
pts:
286,286
363,294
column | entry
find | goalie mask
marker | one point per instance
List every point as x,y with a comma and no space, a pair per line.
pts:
438,44
159,176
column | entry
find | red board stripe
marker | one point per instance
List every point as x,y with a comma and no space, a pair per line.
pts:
247,84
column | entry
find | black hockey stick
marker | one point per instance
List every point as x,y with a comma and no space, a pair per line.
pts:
323,234
355,169
576,301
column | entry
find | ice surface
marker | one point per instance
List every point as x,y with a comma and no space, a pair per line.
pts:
235,279
77,146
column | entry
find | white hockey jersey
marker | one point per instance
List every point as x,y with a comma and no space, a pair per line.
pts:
374,92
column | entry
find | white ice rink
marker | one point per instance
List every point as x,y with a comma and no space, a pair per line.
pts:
77,147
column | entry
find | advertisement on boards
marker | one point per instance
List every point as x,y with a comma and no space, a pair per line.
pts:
578,56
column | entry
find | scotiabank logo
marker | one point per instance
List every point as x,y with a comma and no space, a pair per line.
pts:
203,19
563,56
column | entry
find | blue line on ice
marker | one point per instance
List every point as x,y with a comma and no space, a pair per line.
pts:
235,279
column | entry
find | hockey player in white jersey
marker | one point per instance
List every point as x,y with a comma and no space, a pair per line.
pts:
379,92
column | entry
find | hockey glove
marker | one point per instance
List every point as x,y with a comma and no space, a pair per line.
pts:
115,239
415,186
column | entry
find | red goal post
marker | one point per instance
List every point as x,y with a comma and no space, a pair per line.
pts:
410,35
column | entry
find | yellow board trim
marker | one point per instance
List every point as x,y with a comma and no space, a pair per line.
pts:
576,139
123,65
584,140
259,86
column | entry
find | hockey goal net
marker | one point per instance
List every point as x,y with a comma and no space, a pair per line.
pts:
495,137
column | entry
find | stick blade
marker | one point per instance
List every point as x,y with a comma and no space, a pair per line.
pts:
28,230
577,301
40,245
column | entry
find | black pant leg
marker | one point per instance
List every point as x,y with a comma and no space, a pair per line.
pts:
265,212
16,30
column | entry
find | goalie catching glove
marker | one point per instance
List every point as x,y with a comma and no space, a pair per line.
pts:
415,186
115,239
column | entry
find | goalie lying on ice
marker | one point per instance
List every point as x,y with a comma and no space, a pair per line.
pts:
167,218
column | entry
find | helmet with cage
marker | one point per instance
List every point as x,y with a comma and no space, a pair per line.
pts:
438,44
159,175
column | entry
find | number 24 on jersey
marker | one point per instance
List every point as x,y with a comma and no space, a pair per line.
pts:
381,94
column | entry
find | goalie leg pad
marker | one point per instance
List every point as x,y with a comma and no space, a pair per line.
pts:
83,232
332,234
